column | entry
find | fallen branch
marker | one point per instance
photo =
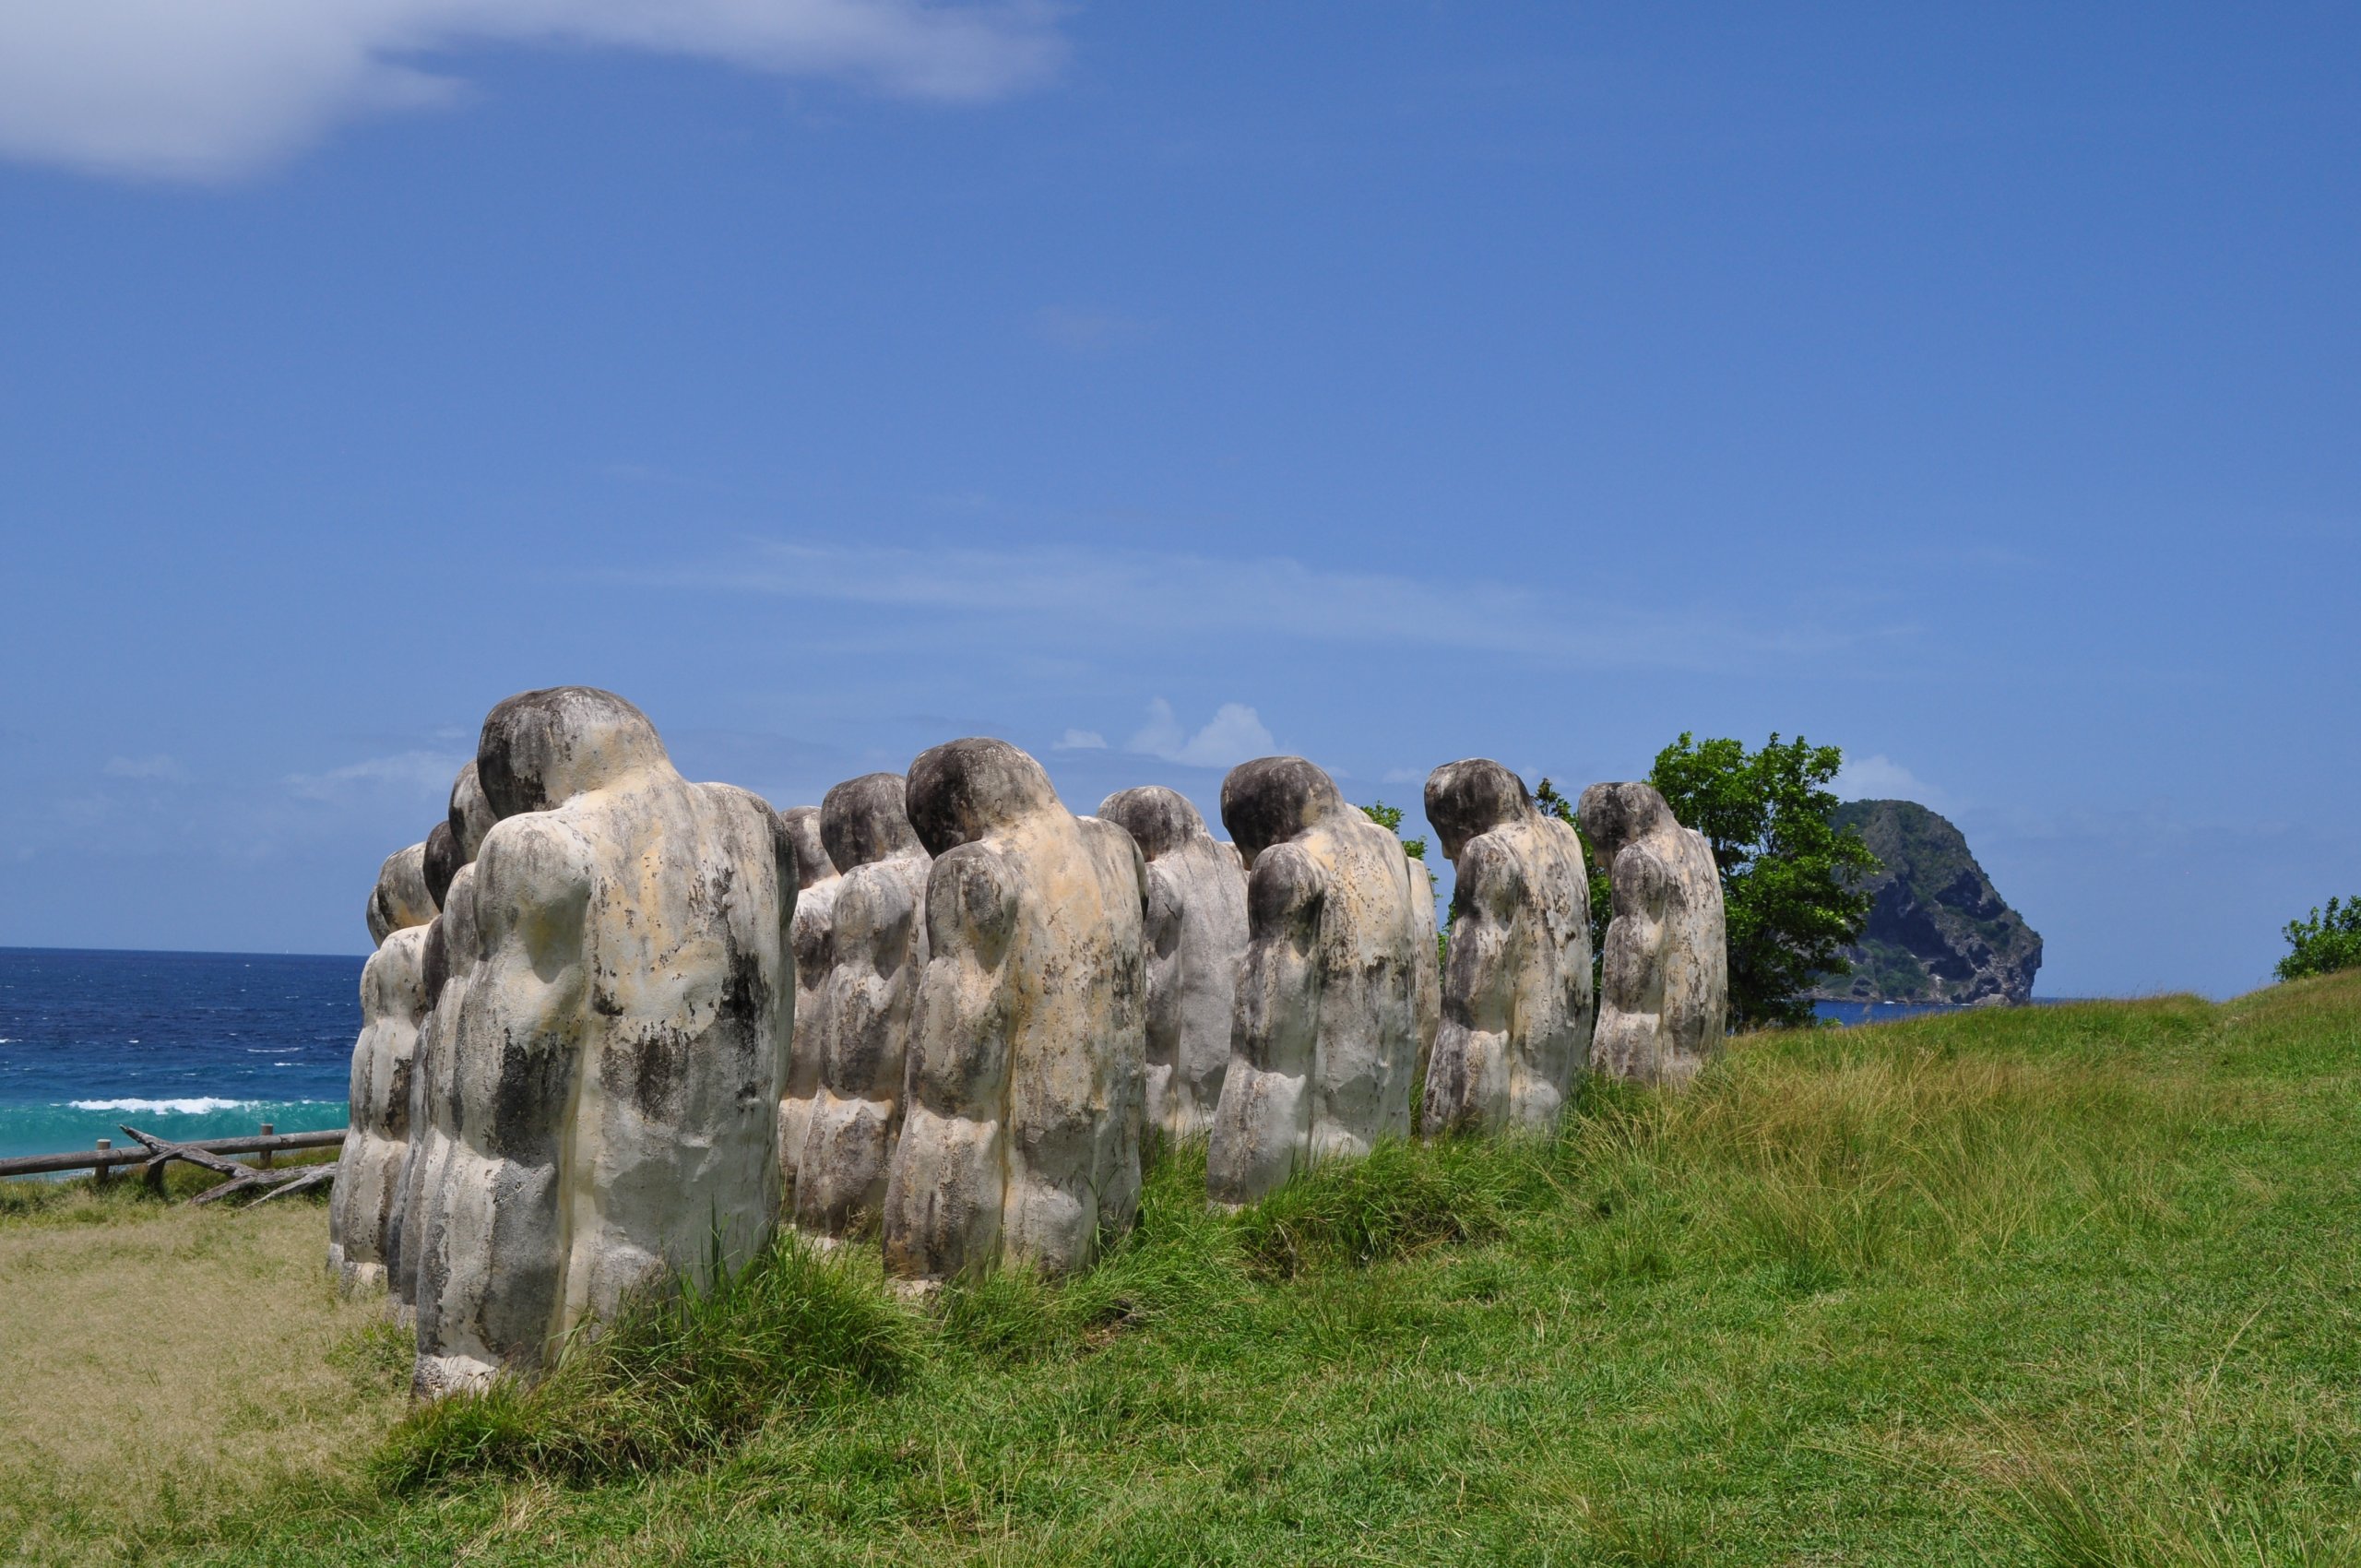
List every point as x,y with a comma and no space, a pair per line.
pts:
243,1178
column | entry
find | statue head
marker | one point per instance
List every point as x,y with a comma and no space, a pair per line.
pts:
865,819
962,790
443,861
1467,799
401,898
1159,820
470,813
540,749
1275,798
802,825
1613,814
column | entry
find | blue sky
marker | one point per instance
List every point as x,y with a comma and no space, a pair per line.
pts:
1387,383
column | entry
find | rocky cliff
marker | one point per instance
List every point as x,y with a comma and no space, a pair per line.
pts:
1939,931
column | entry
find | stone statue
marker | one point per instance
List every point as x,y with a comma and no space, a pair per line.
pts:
376,1143
1330,1012
871,994
399,899
1195,938
1516,997
470,815
448,956
1664,989
618,1049
1020,1142
812,940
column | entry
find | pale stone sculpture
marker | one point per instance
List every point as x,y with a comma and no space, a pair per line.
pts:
1329,1019
812,937
618,1049
447,958
1664,998
1516,997
376,1143
878,940
399,899
1195,938
470,815
1020,1143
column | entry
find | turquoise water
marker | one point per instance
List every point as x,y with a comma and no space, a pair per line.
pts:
182,1045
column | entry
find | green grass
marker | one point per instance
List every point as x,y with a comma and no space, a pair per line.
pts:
2070,1286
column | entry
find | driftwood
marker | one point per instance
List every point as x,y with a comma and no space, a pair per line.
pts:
306,1177
243,1178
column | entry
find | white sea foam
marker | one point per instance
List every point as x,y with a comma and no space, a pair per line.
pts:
197,1107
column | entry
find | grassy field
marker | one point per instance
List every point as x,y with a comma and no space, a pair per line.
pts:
2071,1285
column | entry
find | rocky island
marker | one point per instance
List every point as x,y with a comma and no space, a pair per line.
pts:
1939,930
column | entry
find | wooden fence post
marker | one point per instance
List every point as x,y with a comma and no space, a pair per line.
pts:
262,1158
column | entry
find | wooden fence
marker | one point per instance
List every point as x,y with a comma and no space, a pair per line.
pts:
153,1154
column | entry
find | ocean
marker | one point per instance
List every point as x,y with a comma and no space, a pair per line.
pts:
211,1045
182,1045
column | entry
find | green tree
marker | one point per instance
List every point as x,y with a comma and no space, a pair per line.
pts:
2323,943
1791,881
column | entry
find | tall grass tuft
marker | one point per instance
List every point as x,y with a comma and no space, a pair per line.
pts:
1401,1199
682,1373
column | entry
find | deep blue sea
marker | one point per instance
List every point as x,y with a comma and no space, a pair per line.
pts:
210,1045
183,1045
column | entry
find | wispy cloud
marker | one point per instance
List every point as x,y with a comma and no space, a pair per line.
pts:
1234,735
1082,741
1879,778
207,89
159,768
409,771
1040,593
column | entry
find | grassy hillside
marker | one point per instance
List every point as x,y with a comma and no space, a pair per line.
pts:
2065,1286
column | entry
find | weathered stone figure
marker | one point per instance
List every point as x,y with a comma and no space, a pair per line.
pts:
470,814
447,959
1195,938
399,899
812,937
1327,1030
1021,1140
1516,997
369,1171
618,1048
871,996
1664,987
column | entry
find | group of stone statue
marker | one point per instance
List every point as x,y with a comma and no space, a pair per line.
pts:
618,1023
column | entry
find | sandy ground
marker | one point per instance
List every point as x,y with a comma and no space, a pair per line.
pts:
156,1364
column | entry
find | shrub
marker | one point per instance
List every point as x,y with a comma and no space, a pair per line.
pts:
2324,943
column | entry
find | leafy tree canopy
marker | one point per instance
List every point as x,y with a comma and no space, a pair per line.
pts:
2324,943
1790,878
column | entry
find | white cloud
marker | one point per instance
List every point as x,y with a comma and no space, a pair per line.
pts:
1234,735
159,767
1082,741
1402,776
1880,777
1053,593
207,89
408,771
